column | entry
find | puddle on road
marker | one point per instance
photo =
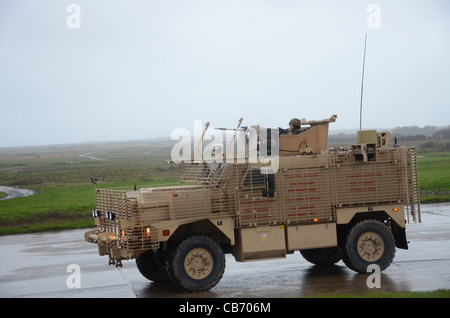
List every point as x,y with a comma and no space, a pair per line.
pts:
13,193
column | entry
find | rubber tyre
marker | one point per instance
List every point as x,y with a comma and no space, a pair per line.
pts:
152,266
322,256
368,242
196,263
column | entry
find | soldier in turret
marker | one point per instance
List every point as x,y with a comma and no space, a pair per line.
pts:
294,127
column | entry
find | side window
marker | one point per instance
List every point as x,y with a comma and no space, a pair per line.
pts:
254,178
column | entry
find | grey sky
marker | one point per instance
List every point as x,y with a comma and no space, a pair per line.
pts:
139,69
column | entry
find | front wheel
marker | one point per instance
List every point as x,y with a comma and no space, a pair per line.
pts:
197,263
152,266
368,242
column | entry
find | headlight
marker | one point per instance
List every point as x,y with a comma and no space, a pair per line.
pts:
110,215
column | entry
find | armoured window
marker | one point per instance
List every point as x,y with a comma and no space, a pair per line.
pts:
254,178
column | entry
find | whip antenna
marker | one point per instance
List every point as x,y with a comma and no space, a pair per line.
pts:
362,84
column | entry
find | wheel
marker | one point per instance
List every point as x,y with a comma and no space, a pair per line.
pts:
368,242
197,263
152,266
322,256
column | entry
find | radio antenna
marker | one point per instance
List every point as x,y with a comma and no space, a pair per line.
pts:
362,84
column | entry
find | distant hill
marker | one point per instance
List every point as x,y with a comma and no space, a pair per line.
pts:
435,137
165,144
427,131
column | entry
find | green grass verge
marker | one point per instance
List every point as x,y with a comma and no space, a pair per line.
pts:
440,293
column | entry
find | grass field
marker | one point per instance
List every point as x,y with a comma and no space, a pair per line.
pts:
61,176
434,177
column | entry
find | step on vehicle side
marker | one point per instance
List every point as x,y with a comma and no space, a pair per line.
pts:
348,203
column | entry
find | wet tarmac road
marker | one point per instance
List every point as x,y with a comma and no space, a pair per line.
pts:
62,264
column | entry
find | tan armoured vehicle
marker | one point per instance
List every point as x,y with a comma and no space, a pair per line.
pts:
330,204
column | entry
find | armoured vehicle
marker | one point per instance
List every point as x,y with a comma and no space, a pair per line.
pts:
349,203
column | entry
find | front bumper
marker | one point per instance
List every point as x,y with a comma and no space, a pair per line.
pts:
108,244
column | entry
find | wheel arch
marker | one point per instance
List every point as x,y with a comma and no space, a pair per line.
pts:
347,218
221,229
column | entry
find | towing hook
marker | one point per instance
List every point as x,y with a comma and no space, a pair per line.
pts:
116,263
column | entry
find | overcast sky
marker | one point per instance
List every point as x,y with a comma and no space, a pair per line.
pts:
120,70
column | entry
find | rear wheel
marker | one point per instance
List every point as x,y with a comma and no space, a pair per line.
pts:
322,256
368,242
197,263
